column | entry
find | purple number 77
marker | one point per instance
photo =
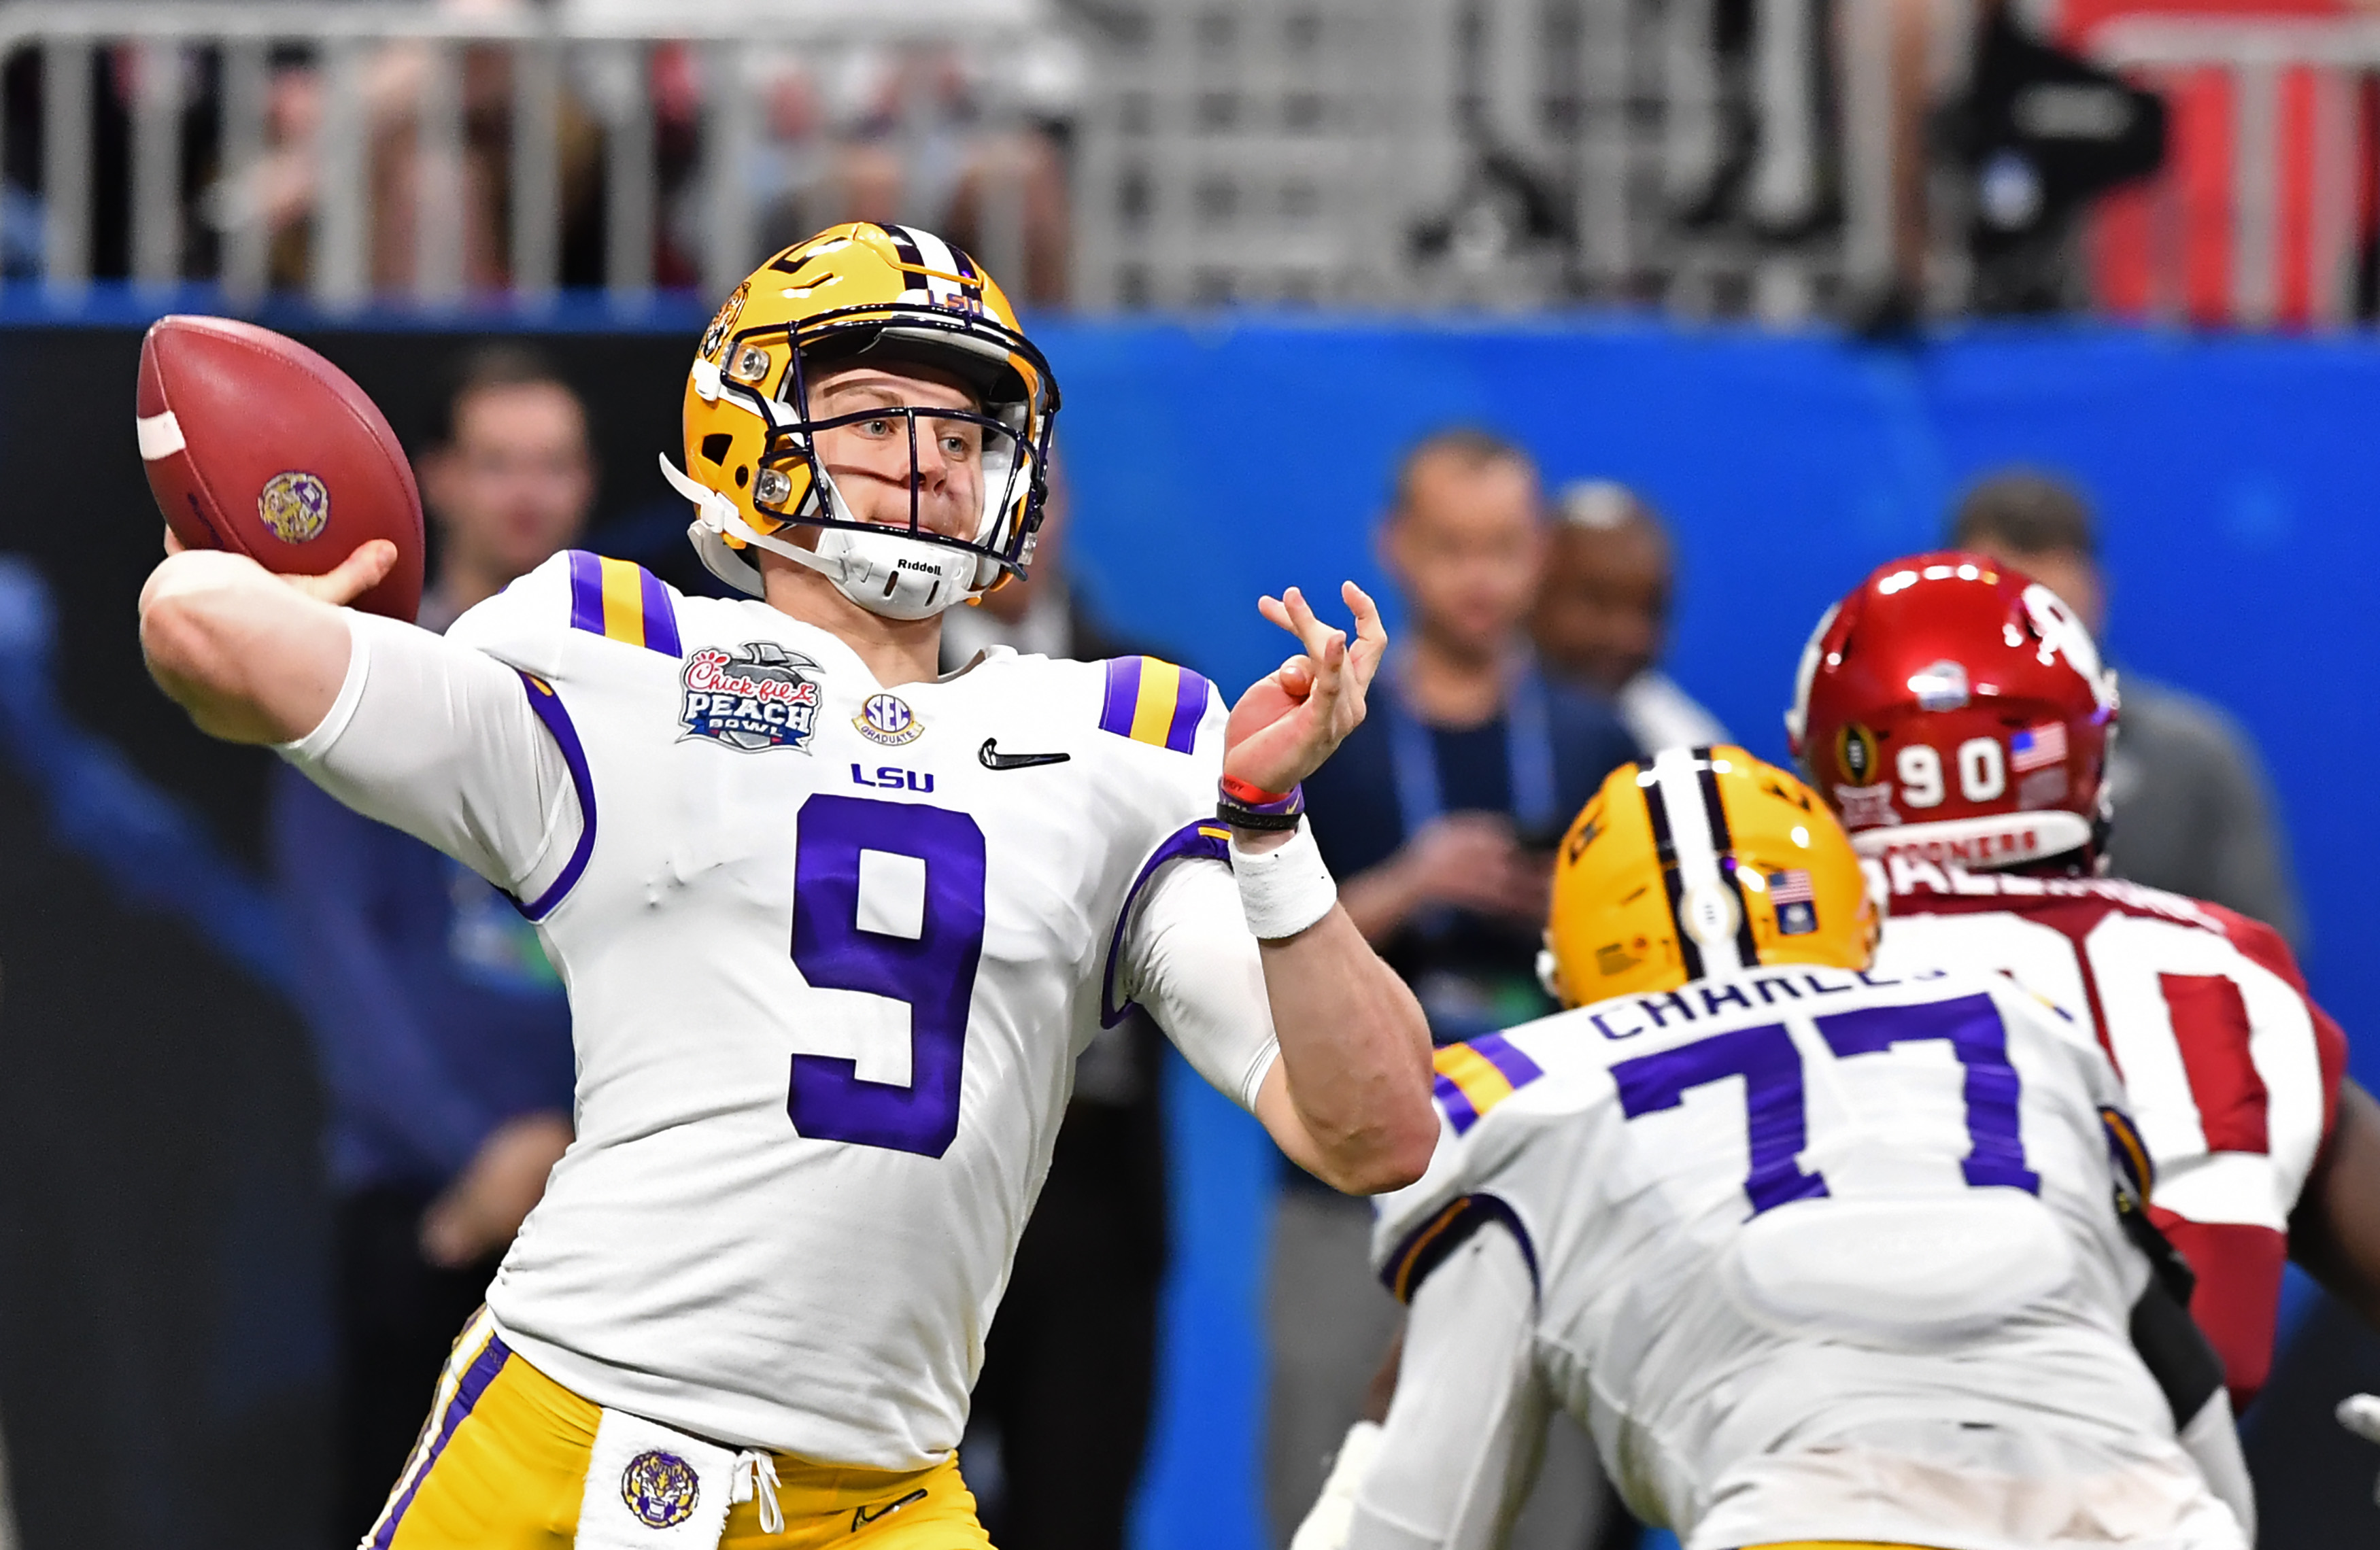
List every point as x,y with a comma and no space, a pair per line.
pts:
1771,1069
1971,1025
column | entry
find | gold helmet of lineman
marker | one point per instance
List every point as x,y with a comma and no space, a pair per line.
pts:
869,293
1705,861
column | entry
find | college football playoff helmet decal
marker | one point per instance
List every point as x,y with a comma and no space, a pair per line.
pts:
863,293
1953,707
1707,861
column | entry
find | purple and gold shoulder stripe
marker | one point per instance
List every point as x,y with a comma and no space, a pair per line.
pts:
1154,702
620,601
1473,1078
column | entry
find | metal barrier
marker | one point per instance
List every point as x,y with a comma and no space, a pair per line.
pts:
2255,58
1256,149
547,46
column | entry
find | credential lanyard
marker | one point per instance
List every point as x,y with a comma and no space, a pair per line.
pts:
1528,757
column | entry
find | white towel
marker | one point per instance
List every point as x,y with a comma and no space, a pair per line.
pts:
653,1487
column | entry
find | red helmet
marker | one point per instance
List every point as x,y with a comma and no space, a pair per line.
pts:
1953,707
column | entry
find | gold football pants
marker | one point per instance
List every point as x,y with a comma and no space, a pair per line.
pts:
501,1465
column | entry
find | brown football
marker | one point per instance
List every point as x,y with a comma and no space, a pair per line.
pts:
255,443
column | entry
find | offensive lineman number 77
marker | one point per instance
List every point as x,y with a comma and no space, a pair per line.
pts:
888,902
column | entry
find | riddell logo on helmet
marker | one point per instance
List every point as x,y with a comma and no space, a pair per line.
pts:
917,565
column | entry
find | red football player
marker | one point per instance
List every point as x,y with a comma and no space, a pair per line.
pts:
1957,715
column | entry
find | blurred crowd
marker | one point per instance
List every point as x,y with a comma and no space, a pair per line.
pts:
859,132
1987,203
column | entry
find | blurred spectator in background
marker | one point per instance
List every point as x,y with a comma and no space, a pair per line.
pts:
443,1033
2194,810
966,142
1602,618
1438,816
1070,1368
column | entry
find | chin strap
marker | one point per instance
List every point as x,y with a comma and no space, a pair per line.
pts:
716,514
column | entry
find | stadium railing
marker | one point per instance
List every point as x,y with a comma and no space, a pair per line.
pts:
541,40
1410,153
2285,94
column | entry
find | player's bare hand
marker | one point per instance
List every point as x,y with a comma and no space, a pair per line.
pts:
361,571
485,1206
1292,720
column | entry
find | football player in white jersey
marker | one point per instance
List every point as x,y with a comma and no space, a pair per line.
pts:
1821,1255
1957,716
834,929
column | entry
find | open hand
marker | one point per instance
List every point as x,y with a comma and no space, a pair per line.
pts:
1291,719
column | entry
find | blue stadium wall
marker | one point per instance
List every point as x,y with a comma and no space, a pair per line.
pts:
1210,461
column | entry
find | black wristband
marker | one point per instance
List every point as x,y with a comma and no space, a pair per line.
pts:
1239,817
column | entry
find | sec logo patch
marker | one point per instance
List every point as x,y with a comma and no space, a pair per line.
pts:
887,719
659,1488
295,505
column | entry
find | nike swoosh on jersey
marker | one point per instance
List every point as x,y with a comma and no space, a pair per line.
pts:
861,1516
994,759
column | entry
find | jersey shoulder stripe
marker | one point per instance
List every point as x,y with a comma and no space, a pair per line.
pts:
1427,1246
1473,1078
1154,702
622,601
549,708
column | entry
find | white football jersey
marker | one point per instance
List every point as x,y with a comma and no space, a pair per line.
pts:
831,950
1822,1255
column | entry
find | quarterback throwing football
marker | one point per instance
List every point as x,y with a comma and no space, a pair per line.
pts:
834,929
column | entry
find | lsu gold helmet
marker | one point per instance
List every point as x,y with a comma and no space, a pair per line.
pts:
1707,861
870,293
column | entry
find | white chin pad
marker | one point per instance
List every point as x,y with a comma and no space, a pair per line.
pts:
895,576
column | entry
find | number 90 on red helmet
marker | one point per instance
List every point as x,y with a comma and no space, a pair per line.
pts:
1953,708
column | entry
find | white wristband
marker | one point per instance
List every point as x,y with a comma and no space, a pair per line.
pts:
1286,890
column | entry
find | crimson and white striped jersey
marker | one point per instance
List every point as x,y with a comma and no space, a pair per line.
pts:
2232,1069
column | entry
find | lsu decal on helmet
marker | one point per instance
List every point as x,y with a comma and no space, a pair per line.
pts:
863,294
1954,709
1705,862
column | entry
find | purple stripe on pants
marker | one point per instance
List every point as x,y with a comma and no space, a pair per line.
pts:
466,1394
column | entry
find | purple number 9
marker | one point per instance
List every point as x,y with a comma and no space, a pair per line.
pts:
916,939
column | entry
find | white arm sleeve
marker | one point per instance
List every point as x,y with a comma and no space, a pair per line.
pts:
434,738
1467,1423
1189,961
